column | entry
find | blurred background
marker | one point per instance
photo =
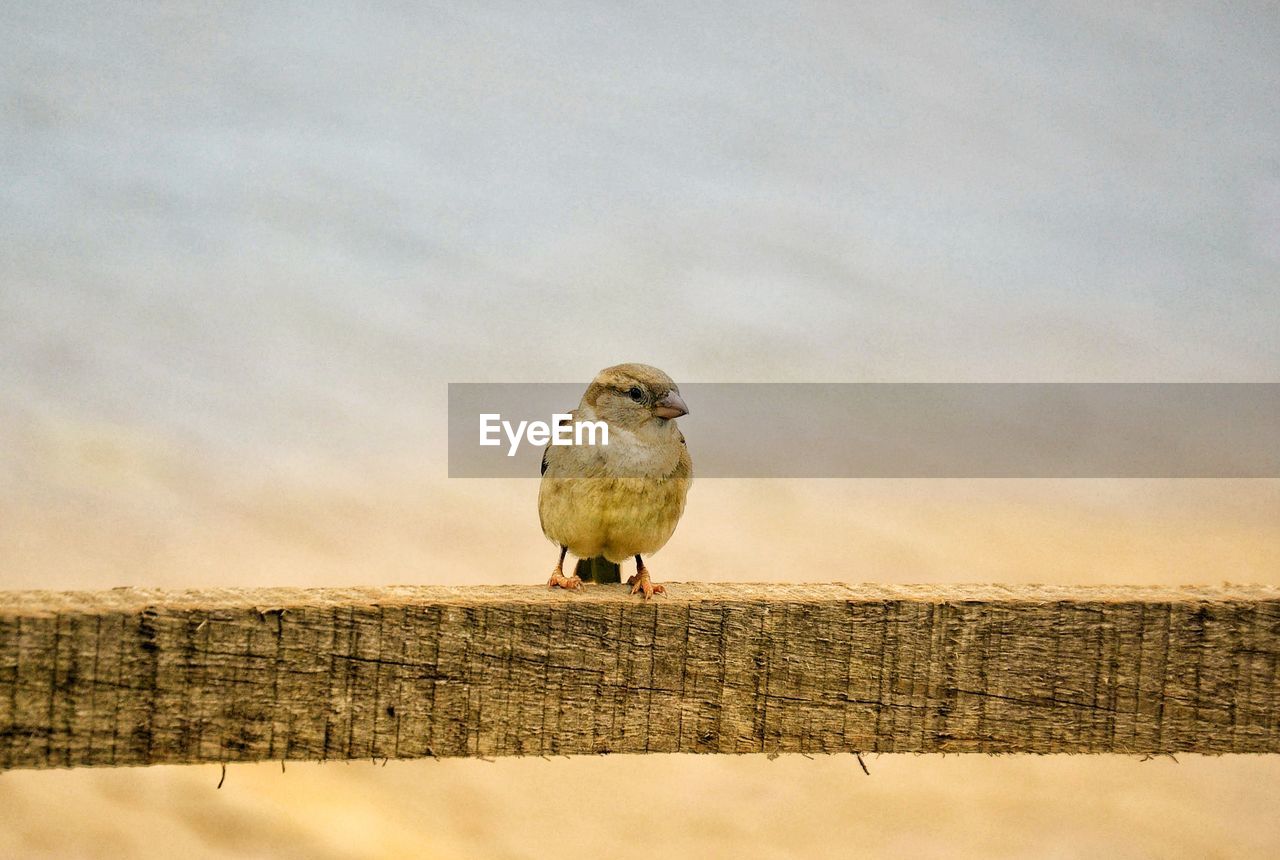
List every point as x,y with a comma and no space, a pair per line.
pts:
244,248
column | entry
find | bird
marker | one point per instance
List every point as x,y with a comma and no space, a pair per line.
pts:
606,503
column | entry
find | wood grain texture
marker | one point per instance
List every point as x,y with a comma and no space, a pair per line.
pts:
136,677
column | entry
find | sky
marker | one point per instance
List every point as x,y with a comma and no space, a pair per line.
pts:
246,247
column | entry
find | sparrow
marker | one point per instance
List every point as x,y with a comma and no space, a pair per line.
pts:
607,503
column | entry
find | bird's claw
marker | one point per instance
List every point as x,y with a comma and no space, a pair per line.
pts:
559,580
641,585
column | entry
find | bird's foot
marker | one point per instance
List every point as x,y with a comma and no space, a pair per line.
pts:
559,580
640,584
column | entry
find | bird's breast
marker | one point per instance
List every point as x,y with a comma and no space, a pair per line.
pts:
613,517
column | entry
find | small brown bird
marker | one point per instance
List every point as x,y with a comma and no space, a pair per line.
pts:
607,503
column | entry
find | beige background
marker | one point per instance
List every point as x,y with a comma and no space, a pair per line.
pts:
243,250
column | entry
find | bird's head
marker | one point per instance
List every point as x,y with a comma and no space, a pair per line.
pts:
633,396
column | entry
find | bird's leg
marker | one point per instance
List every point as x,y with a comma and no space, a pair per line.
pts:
640,583
558,579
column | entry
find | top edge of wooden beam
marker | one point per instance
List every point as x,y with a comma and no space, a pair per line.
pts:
34,603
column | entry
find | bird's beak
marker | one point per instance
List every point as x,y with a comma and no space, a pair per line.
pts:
671,406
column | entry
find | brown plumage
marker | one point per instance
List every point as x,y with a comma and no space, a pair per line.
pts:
608,503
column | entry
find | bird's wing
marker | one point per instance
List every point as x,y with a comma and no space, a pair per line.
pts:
563,422
684,468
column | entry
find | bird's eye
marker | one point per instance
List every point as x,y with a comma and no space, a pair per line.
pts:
636,394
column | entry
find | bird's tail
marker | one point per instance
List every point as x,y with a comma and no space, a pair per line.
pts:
598,569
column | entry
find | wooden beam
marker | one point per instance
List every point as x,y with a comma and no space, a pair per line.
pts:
136,677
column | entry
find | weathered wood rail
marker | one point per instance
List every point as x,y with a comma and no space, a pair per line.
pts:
136,677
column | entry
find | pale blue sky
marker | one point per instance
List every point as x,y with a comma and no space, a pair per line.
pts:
299,221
